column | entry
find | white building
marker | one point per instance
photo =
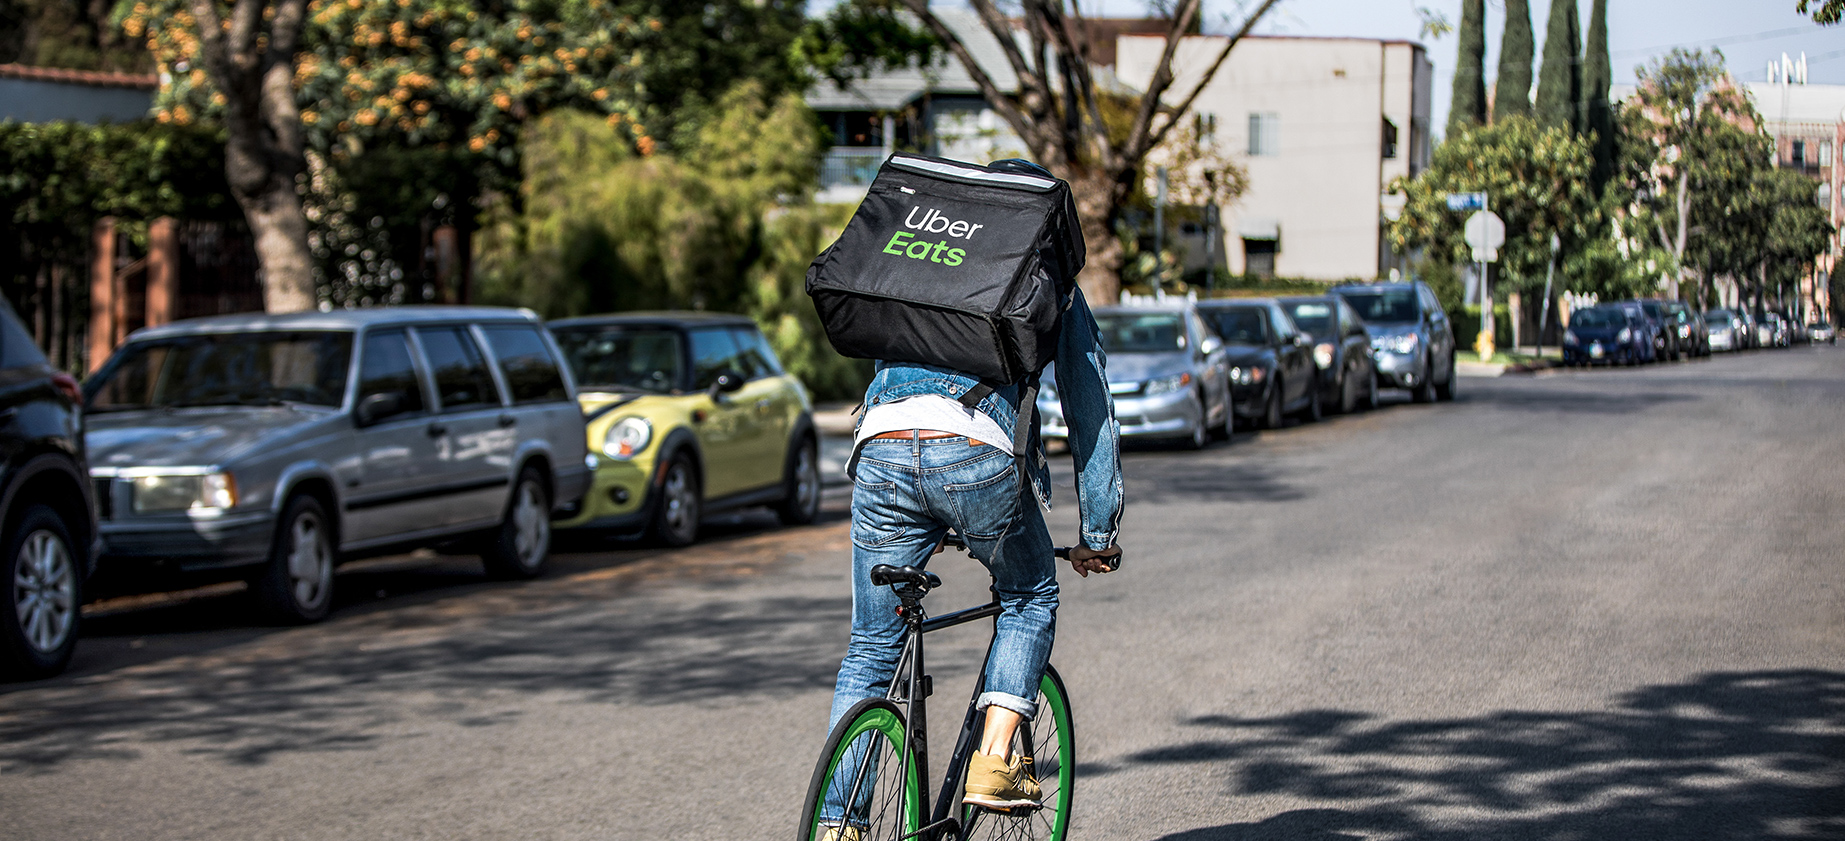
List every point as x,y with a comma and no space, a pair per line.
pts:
1321,125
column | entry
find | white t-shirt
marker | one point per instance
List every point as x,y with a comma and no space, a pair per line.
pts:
931,411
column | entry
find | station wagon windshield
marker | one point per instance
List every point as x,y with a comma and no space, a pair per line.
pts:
1137,333
623,358
226,369
1391,306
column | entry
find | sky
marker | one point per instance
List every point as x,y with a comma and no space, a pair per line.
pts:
1749,32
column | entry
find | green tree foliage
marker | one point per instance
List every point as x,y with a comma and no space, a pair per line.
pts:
1469,104
73,34
1825,12
1537,178
1512,88
1682,147
1559,88
1596,114
724,223
57,179
853,40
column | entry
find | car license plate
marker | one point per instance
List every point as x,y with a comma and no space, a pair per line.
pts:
1595,350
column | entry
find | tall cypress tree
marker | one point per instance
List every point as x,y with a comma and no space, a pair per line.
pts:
1469,105
1597,75
1559,86
1512,91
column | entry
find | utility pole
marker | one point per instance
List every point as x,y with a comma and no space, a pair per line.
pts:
1549,272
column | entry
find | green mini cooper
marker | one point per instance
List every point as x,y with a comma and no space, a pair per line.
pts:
688,413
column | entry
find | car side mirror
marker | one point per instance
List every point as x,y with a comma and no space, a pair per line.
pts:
1300,340
727,382
376,407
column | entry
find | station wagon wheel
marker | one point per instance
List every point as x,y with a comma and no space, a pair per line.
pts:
523,541
1371,393
802,504
42,612
1271,418
676,516
296,586
1201,431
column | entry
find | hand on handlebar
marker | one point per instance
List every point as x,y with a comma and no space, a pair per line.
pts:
1086,560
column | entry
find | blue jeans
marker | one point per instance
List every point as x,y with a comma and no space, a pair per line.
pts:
907,494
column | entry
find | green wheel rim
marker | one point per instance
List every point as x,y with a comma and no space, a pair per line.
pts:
1059,747
885,722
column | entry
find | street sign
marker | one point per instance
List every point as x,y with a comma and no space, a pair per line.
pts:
1485,232
1466,201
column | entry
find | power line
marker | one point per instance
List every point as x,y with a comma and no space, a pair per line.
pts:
1719,42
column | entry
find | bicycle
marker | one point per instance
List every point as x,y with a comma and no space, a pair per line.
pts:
893,732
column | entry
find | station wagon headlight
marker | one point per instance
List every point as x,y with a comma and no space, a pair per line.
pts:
1166,385
1624,336
627,438
1323,355
156,494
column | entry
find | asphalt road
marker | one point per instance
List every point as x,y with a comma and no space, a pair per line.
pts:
1596,605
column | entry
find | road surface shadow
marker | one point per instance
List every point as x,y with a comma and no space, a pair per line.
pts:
1738,755
1573,401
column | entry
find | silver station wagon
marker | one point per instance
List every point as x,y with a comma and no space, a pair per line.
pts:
271,448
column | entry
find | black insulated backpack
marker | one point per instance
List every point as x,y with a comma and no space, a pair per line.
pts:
959,265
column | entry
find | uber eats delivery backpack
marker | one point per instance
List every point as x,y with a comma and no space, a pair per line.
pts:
964,266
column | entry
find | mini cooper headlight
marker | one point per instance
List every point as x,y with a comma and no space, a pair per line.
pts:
155,494
1625,335
1322,355
1570,339
1164,385
627,438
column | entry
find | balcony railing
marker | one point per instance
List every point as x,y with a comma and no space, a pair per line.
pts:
846,166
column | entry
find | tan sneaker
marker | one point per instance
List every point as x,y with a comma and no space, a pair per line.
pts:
842,833
997,784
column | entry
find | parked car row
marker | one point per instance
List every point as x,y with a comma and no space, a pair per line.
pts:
1645,331
272,449
1187,371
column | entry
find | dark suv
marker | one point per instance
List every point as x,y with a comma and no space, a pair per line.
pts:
46,504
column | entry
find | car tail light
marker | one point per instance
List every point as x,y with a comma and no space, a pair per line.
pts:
67,386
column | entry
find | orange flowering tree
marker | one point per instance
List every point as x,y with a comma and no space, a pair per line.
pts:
430,95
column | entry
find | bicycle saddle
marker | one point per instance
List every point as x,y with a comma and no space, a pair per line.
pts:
884,575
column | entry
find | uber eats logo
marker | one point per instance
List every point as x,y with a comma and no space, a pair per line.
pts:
905,244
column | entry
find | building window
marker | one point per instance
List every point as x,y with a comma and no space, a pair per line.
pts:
1799,157
1825,196
1259,256
1825,153
1390,139
1264,134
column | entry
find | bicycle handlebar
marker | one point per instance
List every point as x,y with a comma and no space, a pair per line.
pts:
1062,552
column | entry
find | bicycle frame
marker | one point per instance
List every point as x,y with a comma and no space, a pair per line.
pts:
910,686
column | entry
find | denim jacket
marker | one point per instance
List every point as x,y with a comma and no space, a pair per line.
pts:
1082,387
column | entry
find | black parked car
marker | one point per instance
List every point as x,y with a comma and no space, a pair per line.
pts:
1667,346
45,498
1610,333
1341,350
1271,363
1411,338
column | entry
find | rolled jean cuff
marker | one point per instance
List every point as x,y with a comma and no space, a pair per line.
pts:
1023,707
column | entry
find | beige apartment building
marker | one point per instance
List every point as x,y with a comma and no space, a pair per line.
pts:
1322,125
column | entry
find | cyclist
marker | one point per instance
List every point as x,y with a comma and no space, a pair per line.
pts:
924,463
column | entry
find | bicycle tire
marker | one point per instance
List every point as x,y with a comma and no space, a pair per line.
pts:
894,807
1054,763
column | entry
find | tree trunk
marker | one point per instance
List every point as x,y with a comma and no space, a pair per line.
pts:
1684,212
264,152
1097,207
